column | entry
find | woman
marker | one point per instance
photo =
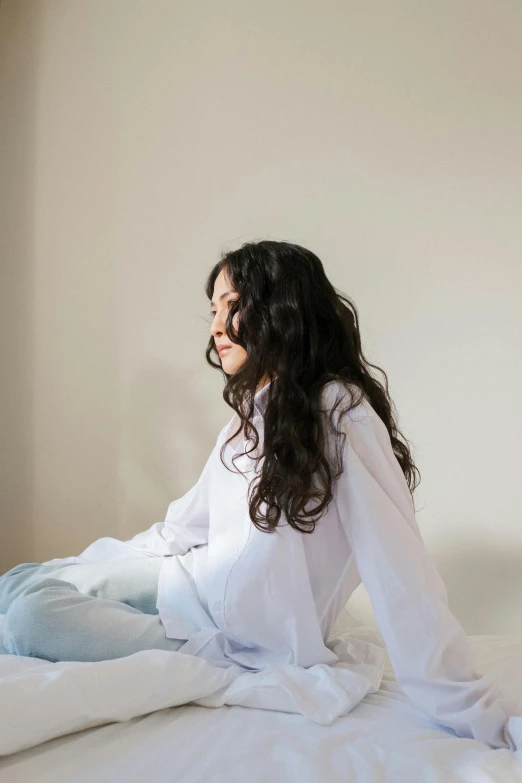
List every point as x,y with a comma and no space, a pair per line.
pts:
308,491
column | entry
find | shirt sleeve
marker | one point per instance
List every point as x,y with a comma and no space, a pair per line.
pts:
429,650
187,521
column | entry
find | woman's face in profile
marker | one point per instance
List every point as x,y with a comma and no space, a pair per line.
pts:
233,356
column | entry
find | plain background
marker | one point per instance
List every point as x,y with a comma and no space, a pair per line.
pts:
140,139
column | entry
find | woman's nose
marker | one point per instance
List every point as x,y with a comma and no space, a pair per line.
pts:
216,327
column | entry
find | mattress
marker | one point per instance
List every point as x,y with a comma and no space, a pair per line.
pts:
383,738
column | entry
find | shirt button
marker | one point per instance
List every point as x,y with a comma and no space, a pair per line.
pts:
218,604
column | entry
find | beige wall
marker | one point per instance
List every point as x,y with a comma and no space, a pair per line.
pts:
139,139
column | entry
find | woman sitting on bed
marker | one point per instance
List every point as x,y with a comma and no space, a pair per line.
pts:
307,491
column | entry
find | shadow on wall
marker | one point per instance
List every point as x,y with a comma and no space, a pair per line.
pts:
484,586
169,431
20,28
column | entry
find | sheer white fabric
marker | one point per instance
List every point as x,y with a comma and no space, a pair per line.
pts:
239,596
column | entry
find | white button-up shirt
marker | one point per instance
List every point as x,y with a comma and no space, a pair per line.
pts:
241,596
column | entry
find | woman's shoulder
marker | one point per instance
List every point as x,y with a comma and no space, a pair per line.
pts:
346,398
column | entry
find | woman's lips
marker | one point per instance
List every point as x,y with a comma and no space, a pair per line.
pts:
222,351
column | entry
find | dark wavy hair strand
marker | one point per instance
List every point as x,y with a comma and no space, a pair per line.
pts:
295,326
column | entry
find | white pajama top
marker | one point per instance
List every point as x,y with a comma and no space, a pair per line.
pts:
268,601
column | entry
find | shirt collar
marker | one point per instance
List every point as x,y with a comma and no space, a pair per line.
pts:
261,398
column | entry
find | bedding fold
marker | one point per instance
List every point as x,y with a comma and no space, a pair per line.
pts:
48,700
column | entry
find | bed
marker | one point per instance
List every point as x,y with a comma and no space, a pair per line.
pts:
383,738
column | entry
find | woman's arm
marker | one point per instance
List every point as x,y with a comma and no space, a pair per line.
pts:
428,648
185,525
186,522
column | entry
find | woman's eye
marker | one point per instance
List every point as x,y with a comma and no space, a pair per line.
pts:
213,312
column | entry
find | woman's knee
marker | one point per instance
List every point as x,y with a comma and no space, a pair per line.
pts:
19,568
15,581
29,617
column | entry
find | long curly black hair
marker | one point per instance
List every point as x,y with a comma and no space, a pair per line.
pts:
297,327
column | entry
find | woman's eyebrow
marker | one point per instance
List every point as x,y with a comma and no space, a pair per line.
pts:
222,295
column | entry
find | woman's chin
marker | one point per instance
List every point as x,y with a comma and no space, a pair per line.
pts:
228,365
231,364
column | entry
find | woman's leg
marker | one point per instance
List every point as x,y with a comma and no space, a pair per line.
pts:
18,579
133,581
53,620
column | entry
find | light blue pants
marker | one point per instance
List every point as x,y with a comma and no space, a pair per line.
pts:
83,612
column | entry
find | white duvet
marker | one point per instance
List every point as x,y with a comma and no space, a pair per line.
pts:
41,700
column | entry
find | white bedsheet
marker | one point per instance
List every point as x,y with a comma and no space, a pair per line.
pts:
383,738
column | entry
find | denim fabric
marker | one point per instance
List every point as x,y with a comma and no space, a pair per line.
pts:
83,612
